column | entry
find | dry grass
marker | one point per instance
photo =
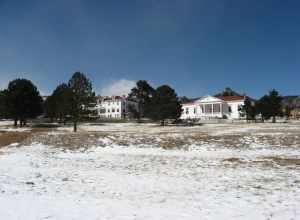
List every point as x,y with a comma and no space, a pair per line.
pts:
172,143
233,160
7,138
283,161
70,141
199,137
270,161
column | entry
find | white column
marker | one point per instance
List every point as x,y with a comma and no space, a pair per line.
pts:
221,109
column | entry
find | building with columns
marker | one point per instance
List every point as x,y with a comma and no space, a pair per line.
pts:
114,107
210,107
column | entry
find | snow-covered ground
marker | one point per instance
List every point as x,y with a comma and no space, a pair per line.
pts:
217,172
7,126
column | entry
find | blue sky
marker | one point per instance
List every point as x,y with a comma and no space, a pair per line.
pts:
197,46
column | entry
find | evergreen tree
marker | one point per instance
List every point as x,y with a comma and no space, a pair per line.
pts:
249,109
50,108
164,104
134,112
3,111
82,97
142,93
23,101
228,92
58,105
270,106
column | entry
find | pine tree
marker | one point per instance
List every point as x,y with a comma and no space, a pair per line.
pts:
50,108
142,93
270,106
228,92
249,109
82,97
164,105
3,110
58,105
23,101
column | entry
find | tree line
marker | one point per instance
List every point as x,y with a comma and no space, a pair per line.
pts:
267,107
21,100
157,104
72,100
75,99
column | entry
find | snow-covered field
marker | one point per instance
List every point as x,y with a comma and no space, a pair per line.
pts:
130,171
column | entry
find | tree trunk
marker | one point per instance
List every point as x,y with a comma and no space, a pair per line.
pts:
162,123
75,126
274,119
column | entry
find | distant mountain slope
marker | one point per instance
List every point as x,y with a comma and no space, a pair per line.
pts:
291,101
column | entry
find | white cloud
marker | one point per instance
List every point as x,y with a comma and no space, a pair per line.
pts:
119,87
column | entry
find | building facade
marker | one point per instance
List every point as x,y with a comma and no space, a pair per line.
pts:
210,107
114,107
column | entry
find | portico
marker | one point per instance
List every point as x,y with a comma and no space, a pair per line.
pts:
205,108
210,107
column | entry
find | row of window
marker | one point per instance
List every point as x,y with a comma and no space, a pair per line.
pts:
103,110
113,110
207,108
113,102
113,116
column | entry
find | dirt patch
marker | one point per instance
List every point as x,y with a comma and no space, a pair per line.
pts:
10,137
283,161
70,141
7,138
172,144
233,160
271,161
199,137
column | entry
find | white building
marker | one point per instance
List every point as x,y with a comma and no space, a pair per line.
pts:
115,107
210,107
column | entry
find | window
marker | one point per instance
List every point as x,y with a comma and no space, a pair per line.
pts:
113,110
102,110
217,108
118,110
229,109
108,110
208,108
187,111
